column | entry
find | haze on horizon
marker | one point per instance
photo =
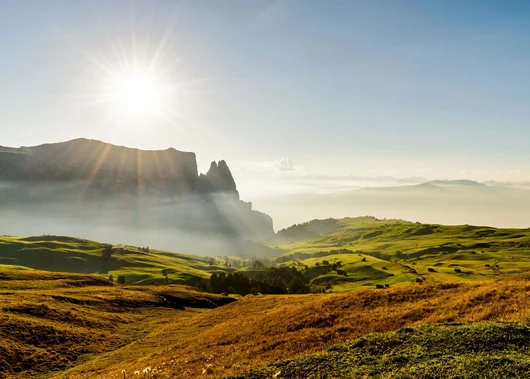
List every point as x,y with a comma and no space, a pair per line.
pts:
299,97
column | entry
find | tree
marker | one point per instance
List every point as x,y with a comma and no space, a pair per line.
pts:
111,278
258,265
165,273
297,286
121,279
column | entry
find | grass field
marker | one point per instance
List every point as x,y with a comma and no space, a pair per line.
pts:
255,331
481,350
50,321
76,325
371,252
397,252
82,326
67,254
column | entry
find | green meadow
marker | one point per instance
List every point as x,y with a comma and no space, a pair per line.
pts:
67,254
336,255
373,252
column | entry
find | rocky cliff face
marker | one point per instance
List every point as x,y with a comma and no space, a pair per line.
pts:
162,189
218,179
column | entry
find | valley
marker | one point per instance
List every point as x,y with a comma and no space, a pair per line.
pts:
403,288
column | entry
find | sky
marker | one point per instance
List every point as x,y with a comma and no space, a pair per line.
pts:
282,89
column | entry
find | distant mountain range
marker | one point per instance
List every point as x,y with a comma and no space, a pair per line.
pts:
438,201
102,191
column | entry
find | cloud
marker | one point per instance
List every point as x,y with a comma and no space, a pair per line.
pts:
283,165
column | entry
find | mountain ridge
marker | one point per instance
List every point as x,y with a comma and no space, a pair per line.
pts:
115,168
104,189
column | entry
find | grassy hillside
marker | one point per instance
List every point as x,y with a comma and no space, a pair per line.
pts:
67,254
259,330
82,326
397,252
51,321
482,350
339,256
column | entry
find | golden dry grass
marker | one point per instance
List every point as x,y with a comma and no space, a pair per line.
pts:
51,321
259,330
81,326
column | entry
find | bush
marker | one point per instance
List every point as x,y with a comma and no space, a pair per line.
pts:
430,269
387,285
121,279
487,265
111,278
379,286
458,271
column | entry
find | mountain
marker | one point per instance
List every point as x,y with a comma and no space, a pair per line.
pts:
102,191
450,183
445,202
114,169
495,183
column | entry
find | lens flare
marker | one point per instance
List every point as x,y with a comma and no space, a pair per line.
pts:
137,93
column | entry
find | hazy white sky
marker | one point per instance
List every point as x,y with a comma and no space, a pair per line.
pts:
437,89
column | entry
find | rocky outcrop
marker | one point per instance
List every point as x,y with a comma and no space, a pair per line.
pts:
218,179
108,167
163,187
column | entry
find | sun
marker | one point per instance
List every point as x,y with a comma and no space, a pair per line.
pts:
140,85
138,93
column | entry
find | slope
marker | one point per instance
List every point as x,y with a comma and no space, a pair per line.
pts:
371,251
259,330
68,254
51,321
482,350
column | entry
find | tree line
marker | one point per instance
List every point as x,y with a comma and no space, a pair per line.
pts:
273,280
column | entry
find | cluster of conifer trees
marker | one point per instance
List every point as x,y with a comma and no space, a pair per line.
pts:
273,280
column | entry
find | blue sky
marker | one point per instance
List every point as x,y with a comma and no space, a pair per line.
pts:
438,89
